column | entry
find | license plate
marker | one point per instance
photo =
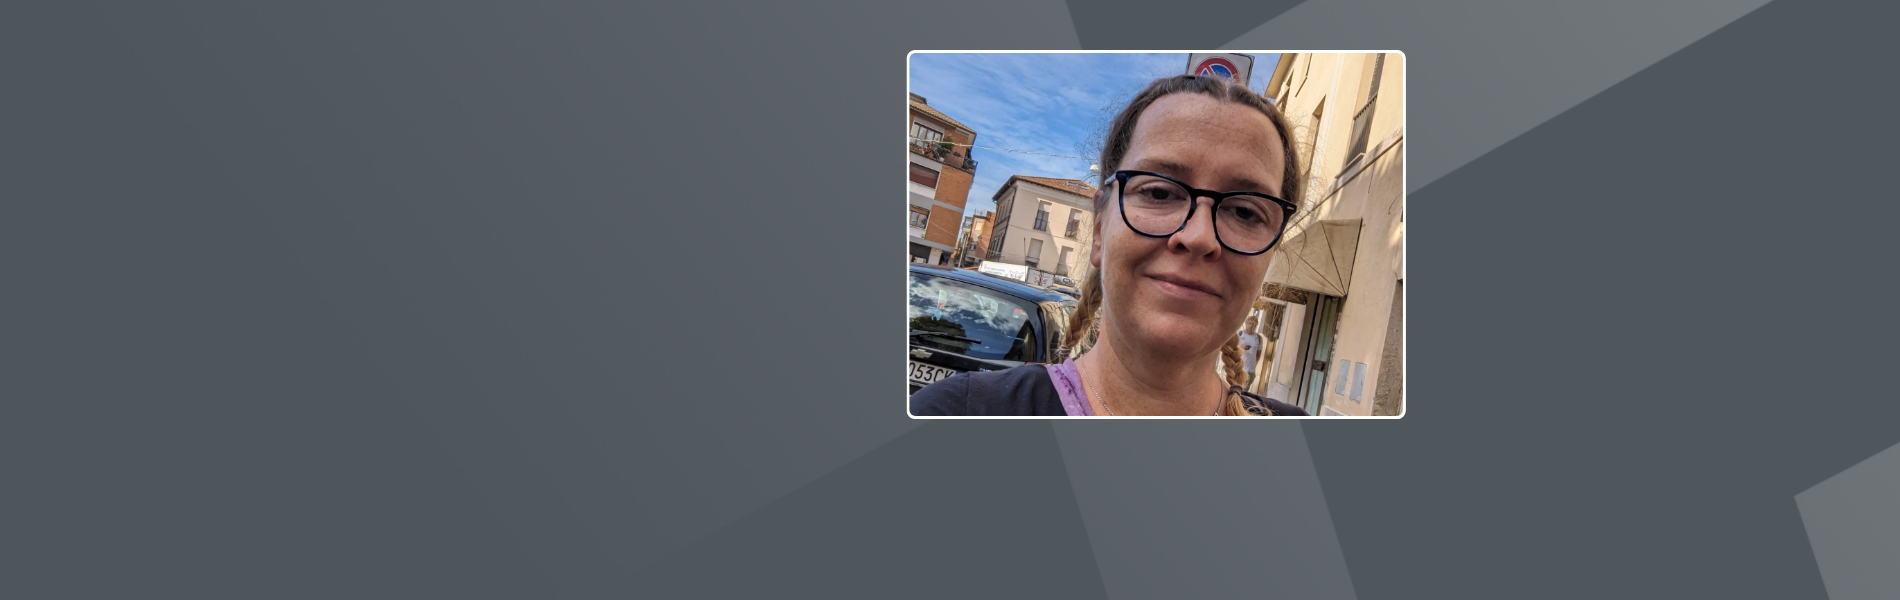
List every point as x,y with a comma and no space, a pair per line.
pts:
927,374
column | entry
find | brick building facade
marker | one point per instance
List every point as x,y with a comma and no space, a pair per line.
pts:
940,173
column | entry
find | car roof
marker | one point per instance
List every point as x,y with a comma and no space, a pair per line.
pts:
990,281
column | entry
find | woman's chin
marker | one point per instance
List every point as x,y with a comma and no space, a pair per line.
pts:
1177,334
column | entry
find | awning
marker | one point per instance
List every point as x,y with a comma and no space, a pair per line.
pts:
1318,259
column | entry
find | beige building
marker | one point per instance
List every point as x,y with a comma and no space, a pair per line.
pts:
1333,311
1044,223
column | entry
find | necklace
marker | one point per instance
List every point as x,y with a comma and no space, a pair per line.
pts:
1111,410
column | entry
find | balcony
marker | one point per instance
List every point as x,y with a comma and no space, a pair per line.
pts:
947,156
928,149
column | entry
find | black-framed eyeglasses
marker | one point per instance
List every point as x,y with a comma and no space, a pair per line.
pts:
1157,206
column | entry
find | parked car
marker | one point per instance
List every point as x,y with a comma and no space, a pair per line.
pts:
968,321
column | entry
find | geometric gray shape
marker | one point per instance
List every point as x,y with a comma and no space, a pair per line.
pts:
950,510
1853,529
1190,509
1485,84
1190,24
417,305
1670,468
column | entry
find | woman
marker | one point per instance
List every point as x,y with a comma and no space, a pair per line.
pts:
1195,170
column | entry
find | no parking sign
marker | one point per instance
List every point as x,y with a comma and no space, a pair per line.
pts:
1232,66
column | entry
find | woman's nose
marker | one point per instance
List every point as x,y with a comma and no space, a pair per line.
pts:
1198,235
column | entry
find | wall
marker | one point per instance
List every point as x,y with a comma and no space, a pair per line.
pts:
953,189
1372,196
925,197
982,236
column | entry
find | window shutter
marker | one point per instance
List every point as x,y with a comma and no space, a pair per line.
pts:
922,175
1378,69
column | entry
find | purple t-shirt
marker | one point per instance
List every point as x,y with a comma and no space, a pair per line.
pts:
1068,382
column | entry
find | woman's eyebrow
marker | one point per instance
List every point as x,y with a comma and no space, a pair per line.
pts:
1165,166
1181,171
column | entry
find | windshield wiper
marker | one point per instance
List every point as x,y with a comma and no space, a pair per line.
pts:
942,335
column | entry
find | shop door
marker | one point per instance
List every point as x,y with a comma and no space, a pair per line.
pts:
1321,336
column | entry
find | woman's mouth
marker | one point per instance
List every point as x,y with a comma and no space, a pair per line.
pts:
1183,287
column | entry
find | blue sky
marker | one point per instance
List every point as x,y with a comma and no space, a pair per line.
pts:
1047,103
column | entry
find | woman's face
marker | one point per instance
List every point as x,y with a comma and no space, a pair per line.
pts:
1185,294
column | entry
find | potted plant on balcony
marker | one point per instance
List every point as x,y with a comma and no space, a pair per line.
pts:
942,148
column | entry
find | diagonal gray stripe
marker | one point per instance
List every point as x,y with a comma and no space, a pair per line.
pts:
1850,524
1509,65
678,503
1131,24
929,515
1189,509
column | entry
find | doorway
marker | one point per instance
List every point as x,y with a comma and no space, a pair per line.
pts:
1321,333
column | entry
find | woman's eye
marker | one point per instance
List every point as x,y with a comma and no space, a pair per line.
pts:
1246,214
1157,193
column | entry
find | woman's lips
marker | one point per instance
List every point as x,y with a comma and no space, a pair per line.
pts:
1184,288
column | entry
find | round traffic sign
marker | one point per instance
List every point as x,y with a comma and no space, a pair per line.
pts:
1216,66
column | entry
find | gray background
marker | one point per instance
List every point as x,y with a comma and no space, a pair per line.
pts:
368,299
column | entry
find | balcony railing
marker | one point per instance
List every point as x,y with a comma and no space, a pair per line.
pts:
925,148
933,152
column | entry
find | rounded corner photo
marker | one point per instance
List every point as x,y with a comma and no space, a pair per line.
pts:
1155,234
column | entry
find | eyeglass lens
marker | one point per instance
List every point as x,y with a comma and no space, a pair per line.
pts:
1159,207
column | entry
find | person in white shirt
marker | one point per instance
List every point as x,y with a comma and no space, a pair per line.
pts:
1249,348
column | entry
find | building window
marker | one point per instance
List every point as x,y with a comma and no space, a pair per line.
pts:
924,176
1362,122
919,217
1306,69
1042,217
924,133
924,139
1062,263
1312,139
1075,222
1035,253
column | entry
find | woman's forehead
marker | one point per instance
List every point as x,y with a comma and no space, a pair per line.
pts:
1209,143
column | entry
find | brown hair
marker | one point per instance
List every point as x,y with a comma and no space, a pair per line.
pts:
1083,321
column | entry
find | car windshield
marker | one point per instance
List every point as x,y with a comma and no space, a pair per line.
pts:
999,323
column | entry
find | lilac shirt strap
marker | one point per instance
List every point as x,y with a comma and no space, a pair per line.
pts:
1068,382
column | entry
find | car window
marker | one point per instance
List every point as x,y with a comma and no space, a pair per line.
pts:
1000,323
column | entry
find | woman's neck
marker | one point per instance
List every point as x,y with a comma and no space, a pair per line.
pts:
1136,384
